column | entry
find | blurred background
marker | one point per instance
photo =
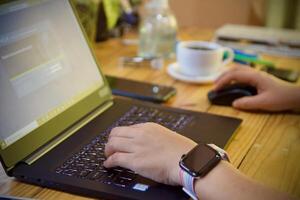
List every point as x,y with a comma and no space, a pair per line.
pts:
214,13
103,19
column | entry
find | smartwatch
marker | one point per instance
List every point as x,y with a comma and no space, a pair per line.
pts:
197,163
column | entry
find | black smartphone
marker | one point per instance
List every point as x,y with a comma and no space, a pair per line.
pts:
284,74
140,90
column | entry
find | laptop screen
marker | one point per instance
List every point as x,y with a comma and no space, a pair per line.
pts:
46,65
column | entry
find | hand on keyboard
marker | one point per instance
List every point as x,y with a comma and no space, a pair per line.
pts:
147,149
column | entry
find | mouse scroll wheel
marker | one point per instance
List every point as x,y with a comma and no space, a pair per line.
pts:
212,94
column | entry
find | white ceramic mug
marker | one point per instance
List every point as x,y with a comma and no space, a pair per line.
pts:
199,58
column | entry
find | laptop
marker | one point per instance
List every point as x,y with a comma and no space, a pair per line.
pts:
57,109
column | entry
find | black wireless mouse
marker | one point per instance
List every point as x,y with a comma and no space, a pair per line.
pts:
226,95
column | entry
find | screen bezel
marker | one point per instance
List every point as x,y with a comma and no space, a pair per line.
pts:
28,144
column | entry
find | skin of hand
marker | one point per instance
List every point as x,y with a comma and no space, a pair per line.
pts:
273,94
149,149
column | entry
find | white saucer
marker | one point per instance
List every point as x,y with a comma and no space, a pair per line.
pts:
173,71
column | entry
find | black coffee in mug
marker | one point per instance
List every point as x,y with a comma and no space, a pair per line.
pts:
200,48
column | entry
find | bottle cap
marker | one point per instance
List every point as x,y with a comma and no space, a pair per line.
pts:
158,4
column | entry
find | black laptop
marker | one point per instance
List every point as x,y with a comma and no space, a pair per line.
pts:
57,109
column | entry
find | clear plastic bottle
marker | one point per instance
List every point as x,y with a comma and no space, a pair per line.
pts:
158,30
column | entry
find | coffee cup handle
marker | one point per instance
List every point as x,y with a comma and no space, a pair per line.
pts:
230,56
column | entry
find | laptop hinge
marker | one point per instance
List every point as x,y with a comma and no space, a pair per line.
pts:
71,130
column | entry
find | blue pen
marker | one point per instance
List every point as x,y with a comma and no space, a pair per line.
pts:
240,52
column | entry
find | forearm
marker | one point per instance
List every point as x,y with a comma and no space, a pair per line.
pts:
294,97
225,182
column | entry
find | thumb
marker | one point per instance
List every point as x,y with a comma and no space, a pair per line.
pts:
248,103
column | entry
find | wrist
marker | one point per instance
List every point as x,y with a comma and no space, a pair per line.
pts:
175,170
206,186
294,98
176,179
288,97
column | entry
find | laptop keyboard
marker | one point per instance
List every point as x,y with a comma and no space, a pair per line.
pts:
87,163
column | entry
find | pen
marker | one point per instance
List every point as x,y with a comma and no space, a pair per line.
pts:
238,57
243,53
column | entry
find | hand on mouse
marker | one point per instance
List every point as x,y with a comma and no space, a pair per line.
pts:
272,94
149,149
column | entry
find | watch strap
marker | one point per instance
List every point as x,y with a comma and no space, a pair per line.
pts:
188,184
221,152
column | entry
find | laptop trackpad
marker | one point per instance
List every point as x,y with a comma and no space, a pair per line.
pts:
210,128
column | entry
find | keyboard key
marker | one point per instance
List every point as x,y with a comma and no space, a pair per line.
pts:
69,172
107,177
95,175
58,170
121,182
102,170
128,176
118,169
83,173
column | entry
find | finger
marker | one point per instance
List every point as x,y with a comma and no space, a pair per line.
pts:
138,125
119,159
249,103
241,76
118,144
230,70
143,125
122,131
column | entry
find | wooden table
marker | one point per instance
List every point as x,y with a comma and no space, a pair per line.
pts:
265,148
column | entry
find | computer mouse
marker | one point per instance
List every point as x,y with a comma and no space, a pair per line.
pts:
226,95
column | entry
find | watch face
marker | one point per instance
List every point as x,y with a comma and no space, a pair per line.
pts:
200,160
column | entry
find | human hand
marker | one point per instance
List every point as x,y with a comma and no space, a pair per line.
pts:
149,149
272,94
